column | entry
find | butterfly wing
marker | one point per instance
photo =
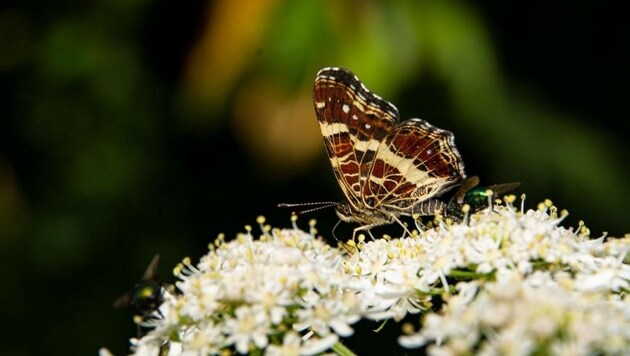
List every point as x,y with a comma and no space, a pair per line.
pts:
415,162
353,122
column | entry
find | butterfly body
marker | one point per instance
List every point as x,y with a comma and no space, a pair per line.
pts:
385,168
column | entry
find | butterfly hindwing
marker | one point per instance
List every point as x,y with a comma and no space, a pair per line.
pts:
416,162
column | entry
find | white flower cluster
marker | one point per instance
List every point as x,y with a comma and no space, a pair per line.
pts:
552,291
526,316
503,281
282,293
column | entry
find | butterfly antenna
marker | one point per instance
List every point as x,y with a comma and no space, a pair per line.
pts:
315,206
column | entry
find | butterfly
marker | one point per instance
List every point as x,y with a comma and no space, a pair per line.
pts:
385,168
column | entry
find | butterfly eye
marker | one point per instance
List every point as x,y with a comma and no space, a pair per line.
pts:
344,212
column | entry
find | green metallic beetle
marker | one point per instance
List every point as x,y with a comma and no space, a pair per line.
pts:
474,196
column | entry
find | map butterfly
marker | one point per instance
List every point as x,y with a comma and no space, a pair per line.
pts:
385,168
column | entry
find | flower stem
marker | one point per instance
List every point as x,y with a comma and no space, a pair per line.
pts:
341,349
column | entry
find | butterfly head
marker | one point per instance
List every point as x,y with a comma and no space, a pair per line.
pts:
350,214
344,212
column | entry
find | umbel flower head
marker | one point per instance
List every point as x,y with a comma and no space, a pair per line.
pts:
502,281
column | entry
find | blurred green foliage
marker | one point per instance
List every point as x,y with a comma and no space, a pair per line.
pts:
118,137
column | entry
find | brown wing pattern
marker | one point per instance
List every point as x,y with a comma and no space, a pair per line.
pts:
353,122
416,161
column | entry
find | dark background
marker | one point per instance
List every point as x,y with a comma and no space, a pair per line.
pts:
151,126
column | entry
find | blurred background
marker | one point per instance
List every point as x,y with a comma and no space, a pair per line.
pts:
132,128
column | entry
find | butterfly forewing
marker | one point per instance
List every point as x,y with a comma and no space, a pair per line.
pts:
353,122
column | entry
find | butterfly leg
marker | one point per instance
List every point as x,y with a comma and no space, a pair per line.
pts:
395,218
366,228
371,236
369,227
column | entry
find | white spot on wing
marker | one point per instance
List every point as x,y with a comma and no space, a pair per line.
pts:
345,108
